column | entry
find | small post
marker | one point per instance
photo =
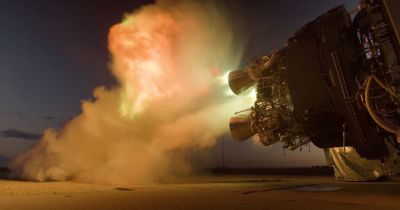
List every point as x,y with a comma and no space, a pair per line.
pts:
222,152
344,136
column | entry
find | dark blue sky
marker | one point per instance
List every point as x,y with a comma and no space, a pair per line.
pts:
53,53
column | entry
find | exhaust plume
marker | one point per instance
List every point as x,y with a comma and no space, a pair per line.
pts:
168,59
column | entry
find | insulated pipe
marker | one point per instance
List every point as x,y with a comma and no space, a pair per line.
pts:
378,120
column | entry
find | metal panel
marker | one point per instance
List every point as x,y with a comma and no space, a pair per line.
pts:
393,11
309,95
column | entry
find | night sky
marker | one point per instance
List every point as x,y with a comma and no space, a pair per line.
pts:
54,53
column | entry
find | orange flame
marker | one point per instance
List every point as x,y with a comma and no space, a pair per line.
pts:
143,53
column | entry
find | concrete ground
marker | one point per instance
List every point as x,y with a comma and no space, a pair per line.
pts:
205,192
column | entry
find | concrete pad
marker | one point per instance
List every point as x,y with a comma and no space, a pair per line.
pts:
205,192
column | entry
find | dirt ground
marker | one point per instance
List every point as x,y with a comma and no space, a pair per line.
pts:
205,192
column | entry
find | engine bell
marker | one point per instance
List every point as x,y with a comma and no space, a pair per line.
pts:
239,81
241,128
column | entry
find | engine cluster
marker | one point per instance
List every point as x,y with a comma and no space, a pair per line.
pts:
272,118
335,83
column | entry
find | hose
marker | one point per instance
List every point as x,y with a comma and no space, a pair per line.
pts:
378,120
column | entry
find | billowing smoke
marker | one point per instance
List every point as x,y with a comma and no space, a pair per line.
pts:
169,58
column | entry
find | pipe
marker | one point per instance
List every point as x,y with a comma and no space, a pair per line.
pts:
378,120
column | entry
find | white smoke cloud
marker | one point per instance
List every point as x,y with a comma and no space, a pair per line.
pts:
168,58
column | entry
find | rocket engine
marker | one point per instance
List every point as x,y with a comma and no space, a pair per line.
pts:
271,118
335,83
